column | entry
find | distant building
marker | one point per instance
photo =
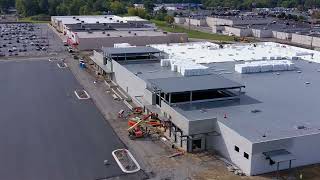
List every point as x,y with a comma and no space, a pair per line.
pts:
140,6
265,27
94,32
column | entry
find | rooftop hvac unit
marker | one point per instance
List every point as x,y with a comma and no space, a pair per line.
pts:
110,18
108,34
81,21
78,19
73,17
103,32
264,66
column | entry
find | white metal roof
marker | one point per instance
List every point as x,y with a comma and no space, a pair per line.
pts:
94,19
206,52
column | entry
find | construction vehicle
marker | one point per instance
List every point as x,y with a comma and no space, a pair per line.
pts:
137,131
151,119
143,125
142,128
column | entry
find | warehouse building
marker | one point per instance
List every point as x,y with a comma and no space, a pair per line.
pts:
211,98
237,20
61,22
193,21
254,26
94,40
260,29
307,39
94,32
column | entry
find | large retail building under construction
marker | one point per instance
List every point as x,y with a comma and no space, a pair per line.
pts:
255,104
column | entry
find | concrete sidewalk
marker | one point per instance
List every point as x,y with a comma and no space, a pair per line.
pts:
143,150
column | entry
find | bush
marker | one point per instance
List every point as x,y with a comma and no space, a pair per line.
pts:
160,16
138,12
169,19
40,17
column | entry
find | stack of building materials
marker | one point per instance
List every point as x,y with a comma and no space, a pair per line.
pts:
264,66
185,68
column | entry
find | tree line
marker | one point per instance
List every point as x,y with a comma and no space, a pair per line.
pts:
249,4
6,4
81,7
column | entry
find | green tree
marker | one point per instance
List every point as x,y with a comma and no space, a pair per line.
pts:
148,5
132,11
138,12
85,10
6,4
99,5
117,7
20,6
74,7
52,6
169,19
61,10
31,7
44,6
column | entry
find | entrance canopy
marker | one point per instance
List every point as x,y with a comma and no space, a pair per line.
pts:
193,83
280,155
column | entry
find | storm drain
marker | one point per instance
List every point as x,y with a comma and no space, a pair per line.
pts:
62,65
81,94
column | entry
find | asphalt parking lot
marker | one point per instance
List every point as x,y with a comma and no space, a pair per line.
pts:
26,39
45,131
